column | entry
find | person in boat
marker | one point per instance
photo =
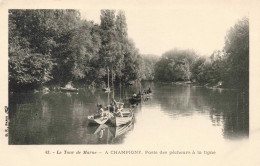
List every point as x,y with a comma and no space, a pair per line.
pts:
111,107
149,90
101,110
114,106
118,108
114,102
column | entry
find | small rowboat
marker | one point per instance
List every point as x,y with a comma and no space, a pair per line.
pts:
106,90
69,89
147,94
97,119
122,117
138,98
135,99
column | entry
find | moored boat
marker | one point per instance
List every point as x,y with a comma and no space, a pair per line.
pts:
121,117
106,90
98,119
120,130
69,89
147,92
135,99
140,96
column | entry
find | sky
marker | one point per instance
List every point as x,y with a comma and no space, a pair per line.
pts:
157,30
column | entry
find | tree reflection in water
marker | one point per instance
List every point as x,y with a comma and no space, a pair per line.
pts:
60,118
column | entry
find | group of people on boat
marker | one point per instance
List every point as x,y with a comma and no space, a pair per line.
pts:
114,108
148,91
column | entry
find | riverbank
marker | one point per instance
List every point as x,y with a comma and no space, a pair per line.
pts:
195,84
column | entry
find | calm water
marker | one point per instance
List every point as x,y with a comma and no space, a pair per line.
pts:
175,113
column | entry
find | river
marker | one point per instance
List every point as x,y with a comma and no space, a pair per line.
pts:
173,114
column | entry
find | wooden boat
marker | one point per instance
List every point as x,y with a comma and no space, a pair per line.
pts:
120,130
139,97
107,90
123,116
97,119
147,94
69,89
135,99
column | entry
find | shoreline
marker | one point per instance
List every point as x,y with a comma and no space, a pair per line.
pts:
46,88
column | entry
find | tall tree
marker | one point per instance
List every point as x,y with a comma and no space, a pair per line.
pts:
237,48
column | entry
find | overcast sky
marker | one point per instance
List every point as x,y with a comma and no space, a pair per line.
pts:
157,30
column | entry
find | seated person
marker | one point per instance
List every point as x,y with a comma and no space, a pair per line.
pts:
139,93
113,106
100,110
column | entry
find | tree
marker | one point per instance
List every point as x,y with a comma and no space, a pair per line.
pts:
117,51
28,69
147,65
57,46
237,48
175,65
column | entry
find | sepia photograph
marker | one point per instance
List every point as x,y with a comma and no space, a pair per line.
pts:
75,79
173,81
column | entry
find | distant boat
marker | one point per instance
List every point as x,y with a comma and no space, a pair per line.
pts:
147,94
106,90
140,96
69,89
135,99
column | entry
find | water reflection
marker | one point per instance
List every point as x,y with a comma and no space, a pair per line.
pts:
190,112
105,134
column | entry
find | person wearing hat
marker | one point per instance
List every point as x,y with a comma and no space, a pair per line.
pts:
100,109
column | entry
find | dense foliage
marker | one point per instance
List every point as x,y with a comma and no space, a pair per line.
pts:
175,65
209,70
57,46
231,65
237,49
227,68
147,66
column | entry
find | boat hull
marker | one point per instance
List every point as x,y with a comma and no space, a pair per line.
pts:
118,121
97,121
124,128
